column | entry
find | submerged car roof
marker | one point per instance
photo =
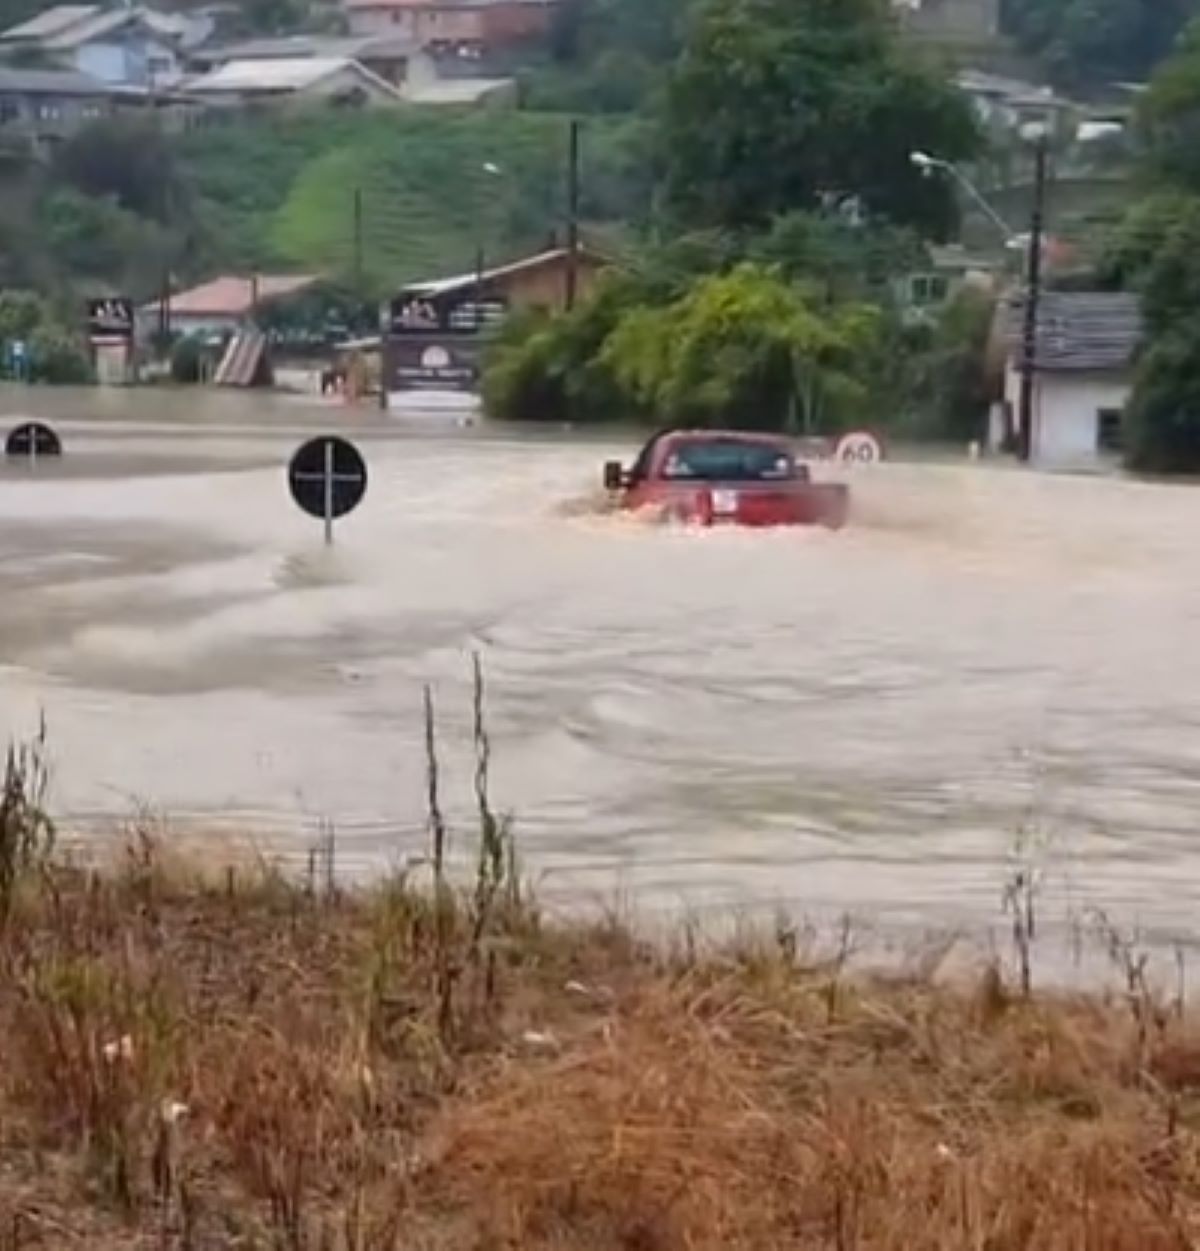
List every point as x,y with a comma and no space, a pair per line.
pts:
724,436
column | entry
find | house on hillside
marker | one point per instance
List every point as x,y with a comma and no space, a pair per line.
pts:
924,292
420,75
1086,344
389,56
125,46
463,25
296,82
44,107
1010,104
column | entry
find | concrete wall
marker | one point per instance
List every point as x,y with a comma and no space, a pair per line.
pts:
1066,414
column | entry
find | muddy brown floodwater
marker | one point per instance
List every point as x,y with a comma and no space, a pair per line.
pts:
867,720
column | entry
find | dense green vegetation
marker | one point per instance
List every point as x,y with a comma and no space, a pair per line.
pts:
786,189
52,352
1157,252
122,205
773,107
1091,42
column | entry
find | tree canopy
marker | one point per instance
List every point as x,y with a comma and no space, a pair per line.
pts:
1157,252
777,105
1082,42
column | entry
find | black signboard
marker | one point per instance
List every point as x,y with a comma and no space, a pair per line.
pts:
328,477
110,318
33,439
462,312
431,363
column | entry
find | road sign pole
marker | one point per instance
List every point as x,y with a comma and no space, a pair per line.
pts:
328,479
328,492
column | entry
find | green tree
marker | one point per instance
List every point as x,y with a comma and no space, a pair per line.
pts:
743,349
950,385
1163,428
1169,116
1084,42
21,312
543,368
127,160
607,56
58,355
779,105
1162,421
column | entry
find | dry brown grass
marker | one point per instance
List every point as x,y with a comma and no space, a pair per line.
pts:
243,1060
588,1092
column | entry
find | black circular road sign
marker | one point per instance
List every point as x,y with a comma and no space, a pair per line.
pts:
328,477
33,439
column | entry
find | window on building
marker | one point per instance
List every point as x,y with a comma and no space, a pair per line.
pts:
48,112
10,110
1109,430
928,289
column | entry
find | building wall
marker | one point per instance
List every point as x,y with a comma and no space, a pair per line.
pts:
423,24
49,117
1066,414
545,287
129,59
493,25
515,22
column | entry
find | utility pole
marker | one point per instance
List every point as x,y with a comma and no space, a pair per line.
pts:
572,215
479,271
1033,294
358,241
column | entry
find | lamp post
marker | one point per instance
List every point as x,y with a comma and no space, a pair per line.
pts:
571,280
1033,273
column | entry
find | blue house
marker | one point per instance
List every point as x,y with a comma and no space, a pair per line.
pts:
132,47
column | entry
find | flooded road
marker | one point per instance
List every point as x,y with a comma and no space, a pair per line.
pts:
865,720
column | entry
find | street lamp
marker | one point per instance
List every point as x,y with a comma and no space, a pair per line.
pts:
928,164
1033,271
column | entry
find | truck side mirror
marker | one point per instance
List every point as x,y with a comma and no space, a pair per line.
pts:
614,475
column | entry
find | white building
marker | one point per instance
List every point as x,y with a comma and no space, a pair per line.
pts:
1086,343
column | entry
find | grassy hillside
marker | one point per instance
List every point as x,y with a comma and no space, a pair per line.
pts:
281,191
123,204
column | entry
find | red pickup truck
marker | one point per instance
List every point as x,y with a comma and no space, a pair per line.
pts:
717,477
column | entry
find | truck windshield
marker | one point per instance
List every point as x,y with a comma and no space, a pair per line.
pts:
728,460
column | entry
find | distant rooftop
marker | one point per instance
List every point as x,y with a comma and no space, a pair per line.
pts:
51,22
39,82
1081,331
463,282
299,47
231,296
276,76
70,25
